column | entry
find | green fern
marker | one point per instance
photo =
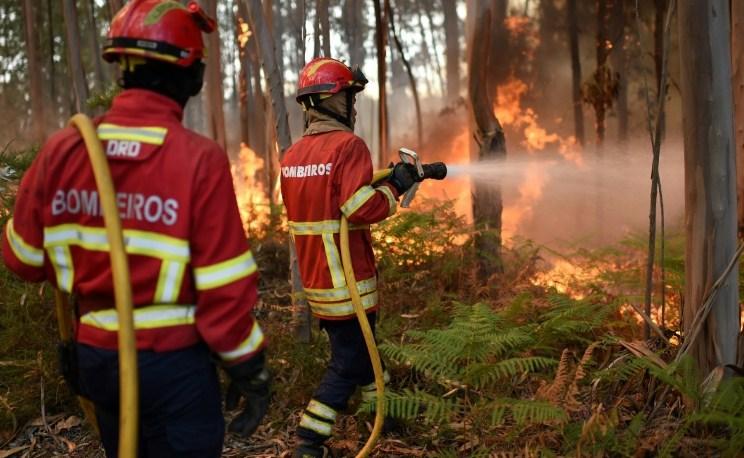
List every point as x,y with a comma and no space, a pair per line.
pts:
526,412
411,404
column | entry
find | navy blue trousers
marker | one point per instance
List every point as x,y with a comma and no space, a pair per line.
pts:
180,402
348,368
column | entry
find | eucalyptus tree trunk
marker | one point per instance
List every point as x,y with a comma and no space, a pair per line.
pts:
487,130
215,97
75,63
661,7
710,189
381,33
51,63
244,86
573,43
274,80
737,54
34,72
452,34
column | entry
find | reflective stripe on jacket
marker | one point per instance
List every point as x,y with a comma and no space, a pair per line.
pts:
323,176
193,274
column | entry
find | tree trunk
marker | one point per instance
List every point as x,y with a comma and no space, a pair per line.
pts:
452,33
95,48
600,75
737,53
52,66
215,96
409,71
275,82
710,190
573,40
244,86
34,72
381,33
618,60
115,6
661,6
427,7
355,28
487,203
75,64
323,27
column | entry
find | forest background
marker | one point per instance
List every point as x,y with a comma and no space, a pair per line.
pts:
537,302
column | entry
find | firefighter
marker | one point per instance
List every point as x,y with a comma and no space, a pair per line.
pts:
325,174
194,278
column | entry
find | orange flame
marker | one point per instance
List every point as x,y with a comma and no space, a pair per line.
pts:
253,202
244,34
508,110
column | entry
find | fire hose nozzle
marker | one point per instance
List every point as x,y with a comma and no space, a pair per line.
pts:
435,171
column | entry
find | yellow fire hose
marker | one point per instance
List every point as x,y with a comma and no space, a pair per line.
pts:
128,379
369,338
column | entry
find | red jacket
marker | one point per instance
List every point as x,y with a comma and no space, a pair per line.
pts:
193,275
323,176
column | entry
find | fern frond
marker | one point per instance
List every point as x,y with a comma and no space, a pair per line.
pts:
526,412
483,375
411,404
554,391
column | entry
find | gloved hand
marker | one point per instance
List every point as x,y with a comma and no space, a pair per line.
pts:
403,177
250,379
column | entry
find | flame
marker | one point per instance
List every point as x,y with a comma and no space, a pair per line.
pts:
245,33
508,110
521,210
253,202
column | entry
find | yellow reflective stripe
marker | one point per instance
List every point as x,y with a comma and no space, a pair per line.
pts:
150,317
321,410
151,135
357,199
334,261
251,344
390,197
62,262
136,242
320,427
169,282
225,272
342,308
25,252
340,294
314,227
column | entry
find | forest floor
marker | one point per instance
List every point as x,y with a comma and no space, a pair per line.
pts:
535,360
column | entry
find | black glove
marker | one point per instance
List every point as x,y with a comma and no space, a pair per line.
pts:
251,380
403,177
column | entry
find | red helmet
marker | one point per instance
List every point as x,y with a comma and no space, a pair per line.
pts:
324,75
163,30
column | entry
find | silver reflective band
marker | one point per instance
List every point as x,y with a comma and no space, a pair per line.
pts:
24,251
151,135
150,317
342,308
251,344
320,427
225,272
321,410
342,293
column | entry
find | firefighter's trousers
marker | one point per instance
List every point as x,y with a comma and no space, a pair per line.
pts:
348,368
180,403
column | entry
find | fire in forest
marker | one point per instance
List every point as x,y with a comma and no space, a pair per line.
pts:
253,201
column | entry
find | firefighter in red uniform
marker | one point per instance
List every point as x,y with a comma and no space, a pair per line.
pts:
325,174
194,279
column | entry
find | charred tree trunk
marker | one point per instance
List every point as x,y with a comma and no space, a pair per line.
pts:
409,71
618,58
275,82
487,203
381,33
244,86
215,97
573,41
597,89
452,34
737,53
75,63
710,190
34,72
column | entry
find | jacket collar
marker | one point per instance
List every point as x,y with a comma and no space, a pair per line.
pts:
144,104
